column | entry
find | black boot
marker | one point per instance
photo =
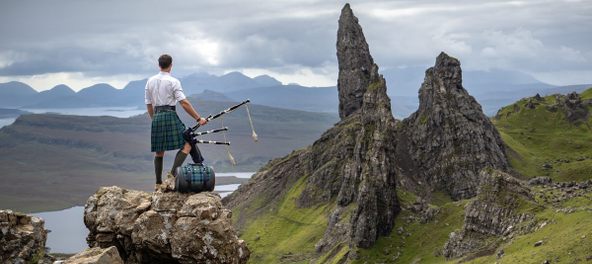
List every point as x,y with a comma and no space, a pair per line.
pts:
158,169
179,159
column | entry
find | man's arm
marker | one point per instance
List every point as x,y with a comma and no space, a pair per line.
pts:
150,110
191,111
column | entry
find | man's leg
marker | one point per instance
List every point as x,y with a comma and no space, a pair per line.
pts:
180,157
158,166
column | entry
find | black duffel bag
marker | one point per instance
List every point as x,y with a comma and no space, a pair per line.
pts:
195,178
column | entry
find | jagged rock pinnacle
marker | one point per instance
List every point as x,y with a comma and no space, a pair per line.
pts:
355,63
448,140
351,169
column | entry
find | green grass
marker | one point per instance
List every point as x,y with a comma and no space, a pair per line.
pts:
286,233
586,94
425,240
538,136
567,239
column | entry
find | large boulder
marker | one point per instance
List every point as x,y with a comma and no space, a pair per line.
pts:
163,227
22,238
449,139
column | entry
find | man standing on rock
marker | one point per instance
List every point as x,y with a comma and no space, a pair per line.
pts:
162,93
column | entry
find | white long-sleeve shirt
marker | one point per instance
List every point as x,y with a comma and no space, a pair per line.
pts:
163,89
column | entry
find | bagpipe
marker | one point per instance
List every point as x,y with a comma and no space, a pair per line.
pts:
198,177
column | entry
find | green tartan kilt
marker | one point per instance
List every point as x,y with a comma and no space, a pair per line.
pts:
167,131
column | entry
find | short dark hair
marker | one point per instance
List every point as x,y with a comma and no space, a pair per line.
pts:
164,61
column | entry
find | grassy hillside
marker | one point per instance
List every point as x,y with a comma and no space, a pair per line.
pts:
544,143
285,233
53,161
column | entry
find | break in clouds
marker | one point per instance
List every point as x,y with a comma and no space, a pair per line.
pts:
294,41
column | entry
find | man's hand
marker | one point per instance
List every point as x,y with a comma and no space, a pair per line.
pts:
202,121
150,110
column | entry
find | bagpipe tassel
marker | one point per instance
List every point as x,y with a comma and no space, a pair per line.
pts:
230,157
253,135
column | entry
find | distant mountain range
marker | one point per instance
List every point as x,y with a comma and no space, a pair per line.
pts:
493,89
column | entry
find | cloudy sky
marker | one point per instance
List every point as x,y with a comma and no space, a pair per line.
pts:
83,42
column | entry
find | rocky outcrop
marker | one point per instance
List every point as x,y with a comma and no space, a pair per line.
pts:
96,255
495,213
163,227
351,167
449,139
575,109
22,238
355,63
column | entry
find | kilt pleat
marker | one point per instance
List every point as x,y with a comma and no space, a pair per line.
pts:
167,131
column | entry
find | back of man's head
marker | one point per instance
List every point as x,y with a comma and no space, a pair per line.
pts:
165,61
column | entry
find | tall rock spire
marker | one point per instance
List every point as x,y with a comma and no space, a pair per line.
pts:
449,139
350,170
354,61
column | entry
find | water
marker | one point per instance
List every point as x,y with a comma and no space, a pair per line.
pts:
244,175
91,111
68,232
225,190
6,121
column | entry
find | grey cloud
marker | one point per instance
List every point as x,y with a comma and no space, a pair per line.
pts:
120,37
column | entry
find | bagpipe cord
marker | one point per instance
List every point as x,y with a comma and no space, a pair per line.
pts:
230,157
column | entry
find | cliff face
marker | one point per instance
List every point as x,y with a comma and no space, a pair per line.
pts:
448,140
350,170
163,227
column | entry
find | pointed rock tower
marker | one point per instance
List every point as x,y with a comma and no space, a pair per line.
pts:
347,176
355,63
449,139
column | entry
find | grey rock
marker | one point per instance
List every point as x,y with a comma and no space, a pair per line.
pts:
163,227
539,181
575,109
449,139
22,238
96,255
492,214
531,104
355,63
